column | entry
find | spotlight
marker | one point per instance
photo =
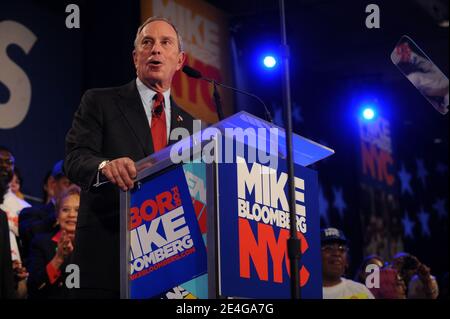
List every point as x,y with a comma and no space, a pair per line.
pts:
269,62
368,113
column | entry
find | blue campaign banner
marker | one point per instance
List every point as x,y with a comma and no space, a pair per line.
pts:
166,245
254,227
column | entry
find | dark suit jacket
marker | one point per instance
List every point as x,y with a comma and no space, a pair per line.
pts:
42,251
33,221
110,123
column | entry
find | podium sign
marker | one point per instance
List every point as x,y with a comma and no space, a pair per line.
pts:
253,222
166,246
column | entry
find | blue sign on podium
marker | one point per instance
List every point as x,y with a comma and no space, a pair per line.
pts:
254,228
166,245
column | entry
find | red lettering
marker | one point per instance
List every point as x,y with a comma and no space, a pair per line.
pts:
384,160
368,158
164,201
256,250
201,213
135,218
371,156
148,216
304,273
250,248
149,209
176,196
276,248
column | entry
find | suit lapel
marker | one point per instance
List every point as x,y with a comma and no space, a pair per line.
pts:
177,119
132,109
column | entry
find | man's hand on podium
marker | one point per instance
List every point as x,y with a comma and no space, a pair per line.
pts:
120,172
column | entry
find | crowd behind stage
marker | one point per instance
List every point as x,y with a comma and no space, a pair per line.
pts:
36,242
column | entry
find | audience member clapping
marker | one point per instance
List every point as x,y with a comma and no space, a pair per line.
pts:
49,253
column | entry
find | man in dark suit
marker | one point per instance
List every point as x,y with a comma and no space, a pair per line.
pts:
112,129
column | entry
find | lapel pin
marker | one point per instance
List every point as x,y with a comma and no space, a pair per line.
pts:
179,118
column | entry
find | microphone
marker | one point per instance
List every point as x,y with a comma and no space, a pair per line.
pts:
193,73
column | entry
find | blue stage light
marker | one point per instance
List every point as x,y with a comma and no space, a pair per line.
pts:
269,61
368,113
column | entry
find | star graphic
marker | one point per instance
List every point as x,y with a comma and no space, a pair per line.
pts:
296,113
323,207
441,168
421,171
405,177
339,202
278,117
408,226
439,206
423,218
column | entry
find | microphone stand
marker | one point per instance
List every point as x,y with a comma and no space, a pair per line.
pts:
217,98
266,110
293,244
197,75
217,101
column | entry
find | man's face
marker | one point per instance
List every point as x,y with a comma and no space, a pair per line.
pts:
6,165
157,56
334,259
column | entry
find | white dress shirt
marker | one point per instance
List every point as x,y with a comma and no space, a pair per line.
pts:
147,95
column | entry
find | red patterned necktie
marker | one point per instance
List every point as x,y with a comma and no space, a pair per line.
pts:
159,126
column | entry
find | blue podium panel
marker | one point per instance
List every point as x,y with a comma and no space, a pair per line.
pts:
166,244
253,227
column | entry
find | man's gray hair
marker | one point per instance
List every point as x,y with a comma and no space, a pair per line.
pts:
152,19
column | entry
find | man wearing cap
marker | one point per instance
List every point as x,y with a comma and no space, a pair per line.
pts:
334,262
36,220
